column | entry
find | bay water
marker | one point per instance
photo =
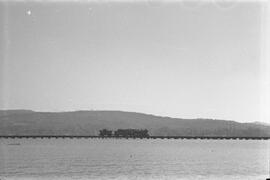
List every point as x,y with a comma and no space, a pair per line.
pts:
84,159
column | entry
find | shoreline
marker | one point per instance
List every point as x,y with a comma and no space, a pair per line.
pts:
114,137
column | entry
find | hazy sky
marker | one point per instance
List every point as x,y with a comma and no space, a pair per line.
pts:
174,59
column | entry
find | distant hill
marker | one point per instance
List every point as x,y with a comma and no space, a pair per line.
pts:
26,122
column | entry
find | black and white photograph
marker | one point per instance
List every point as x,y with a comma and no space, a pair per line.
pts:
134,90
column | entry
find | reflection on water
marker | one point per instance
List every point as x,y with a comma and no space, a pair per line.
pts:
133,159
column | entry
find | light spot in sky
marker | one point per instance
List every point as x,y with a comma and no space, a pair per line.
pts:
226,4
29,12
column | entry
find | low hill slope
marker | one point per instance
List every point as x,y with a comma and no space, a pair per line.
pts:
26,122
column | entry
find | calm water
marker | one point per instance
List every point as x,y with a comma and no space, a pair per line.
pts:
133,159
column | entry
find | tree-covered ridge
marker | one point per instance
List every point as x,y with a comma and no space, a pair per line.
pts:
85,123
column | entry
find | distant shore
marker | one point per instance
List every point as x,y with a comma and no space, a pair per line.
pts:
150,137
89,123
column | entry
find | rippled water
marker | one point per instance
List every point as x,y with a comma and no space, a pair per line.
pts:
133,159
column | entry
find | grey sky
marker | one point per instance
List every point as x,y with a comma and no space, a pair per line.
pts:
171,59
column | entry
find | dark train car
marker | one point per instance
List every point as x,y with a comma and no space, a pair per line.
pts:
131,133
105,133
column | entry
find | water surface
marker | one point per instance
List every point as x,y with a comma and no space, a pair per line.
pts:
133,159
